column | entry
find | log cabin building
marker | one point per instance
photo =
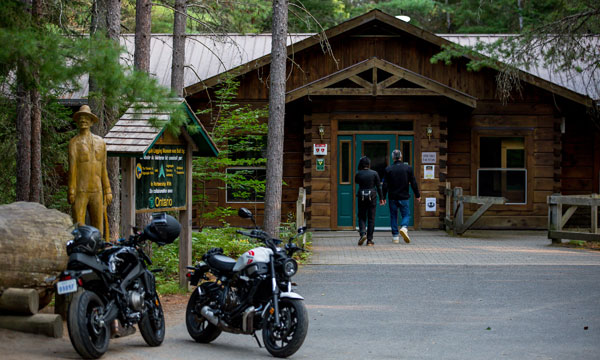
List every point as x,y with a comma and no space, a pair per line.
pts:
377,90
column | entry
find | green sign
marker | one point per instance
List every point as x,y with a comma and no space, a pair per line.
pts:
160,178
321,164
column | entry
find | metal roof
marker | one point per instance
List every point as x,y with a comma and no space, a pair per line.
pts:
205,56
585,83
210,55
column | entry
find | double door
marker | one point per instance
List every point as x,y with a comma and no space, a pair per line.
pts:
378,148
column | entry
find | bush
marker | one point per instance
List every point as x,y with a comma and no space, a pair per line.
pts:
233,245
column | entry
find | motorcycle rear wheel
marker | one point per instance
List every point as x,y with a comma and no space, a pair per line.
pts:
88,335
152,325
199,328
286,341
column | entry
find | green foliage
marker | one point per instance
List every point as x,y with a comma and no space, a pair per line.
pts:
239,131
315,15
53,59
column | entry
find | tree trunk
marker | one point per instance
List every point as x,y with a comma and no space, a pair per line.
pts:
106,19
36,123
141,62
143,25
24,136
276,119
36,145
178,63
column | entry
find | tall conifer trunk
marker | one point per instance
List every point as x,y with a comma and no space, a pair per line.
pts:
276,119
35,194
178,63
106,20
141,62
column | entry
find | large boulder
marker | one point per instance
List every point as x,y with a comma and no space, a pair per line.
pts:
32,246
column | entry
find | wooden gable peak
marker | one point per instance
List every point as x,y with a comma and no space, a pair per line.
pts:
361,85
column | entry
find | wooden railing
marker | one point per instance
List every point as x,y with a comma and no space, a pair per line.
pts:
557,219
300,209
455,196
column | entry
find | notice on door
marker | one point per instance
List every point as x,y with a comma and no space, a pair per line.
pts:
160,178
430,204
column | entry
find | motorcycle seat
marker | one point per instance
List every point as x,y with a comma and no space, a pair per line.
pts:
221,262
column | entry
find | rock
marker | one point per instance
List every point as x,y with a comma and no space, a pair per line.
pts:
32,246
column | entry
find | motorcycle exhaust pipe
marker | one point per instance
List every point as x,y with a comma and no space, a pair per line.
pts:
248,320
209,315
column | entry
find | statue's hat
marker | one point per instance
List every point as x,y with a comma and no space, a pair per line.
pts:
85,110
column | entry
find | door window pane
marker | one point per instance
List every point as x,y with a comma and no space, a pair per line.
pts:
405,148
345,162
379,154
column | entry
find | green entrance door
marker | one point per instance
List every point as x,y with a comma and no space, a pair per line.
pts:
378,148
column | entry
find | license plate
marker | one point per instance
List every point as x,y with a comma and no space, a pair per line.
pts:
67,286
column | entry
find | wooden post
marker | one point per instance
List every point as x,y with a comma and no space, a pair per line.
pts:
554,217
458,207
127,196
300,208
594,214
185,218
449,209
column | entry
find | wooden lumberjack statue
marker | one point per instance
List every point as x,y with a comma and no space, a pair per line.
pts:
89,188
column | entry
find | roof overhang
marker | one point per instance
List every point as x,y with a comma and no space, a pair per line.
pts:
375,15
372,87
134,135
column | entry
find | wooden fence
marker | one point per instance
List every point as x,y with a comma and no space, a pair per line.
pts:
300,209
557,219
456,199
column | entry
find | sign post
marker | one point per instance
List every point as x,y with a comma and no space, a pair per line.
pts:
156,170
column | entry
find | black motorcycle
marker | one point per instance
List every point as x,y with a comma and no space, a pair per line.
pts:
250,294
112,282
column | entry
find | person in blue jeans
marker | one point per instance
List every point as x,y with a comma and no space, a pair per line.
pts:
396,181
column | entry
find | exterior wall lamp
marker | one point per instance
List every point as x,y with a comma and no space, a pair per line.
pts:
321,131
429,131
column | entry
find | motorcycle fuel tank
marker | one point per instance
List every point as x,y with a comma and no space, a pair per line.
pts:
256,255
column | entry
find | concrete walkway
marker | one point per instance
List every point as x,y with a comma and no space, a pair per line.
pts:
438,248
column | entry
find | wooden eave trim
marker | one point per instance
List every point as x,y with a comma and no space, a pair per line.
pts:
431,87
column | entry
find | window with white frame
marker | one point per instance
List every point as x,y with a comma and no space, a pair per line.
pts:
502,168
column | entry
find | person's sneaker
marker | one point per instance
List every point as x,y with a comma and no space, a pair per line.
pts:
370,243
396,239
362,240
404,233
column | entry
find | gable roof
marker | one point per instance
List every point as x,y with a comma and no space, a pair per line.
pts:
133,134
208,57
577,92
426,86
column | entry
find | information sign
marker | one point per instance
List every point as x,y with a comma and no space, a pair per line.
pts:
160,178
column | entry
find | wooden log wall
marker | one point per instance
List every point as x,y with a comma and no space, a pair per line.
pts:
543,162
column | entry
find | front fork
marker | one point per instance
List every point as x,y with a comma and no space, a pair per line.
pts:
275,293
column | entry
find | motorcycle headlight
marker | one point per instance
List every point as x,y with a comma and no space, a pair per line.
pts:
290,266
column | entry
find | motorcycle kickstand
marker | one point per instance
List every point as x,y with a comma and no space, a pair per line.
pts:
257,341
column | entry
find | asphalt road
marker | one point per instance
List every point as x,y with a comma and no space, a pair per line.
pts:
400,312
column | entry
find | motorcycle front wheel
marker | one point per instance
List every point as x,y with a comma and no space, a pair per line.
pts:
152,325
89,335
199,328
285,340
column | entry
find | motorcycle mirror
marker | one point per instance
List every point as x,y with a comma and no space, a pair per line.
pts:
302,230
244,213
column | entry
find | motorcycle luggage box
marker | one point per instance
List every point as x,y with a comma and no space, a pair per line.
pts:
221,262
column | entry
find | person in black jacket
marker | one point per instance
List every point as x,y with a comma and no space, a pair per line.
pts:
368,184
396,180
